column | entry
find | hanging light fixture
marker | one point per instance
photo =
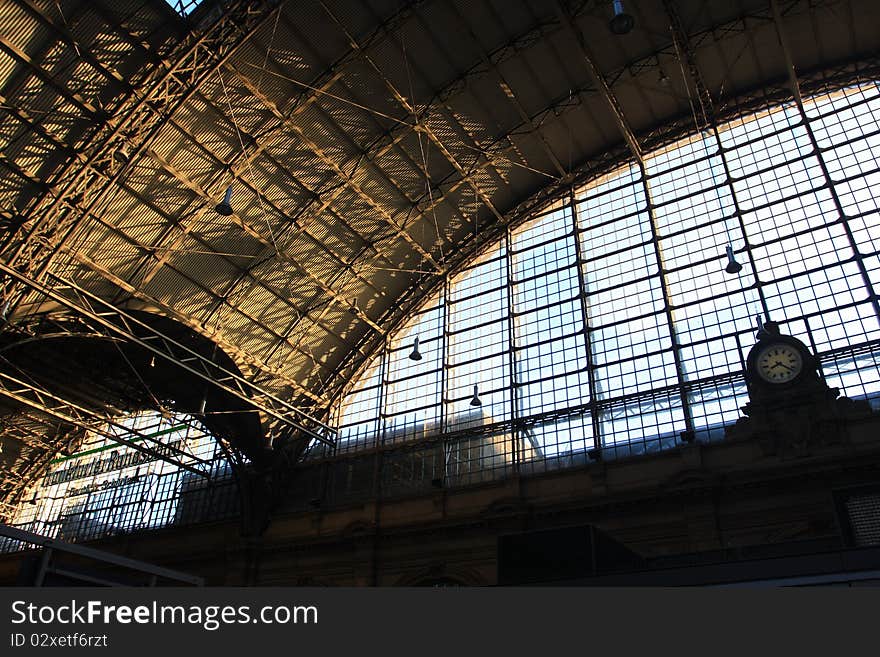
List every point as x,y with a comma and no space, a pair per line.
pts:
224,207
733,267
621,22
202,404
121,154
663,79
475,400
415,355
152,361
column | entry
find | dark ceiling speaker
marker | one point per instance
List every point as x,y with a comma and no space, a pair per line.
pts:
475,400
733,267
224,207
415,355
621,22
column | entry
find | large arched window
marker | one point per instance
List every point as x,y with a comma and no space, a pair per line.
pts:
609,321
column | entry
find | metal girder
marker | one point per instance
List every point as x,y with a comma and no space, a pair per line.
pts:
42,17
291,222
49,544
786,52
85,180
396,134
596,75
43,452
337,170
63,410
684,51
112,278
134,292
407,106
269,243
84,106
511,95
231,349
120,323
384,143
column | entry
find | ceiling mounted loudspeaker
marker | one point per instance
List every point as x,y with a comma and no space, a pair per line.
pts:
475,400
733,267
621,22
224,207
415,355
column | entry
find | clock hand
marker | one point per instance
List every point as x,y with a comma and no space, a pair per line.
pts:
783,365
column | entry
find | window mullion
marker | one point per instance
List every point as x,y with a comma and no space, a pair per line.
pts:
585,317
511,358
667,304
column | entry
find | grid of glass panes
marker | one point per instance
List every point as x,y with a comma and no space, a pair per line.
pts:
551,362
106,488
478,343
642,260
358,417
630,335
413,377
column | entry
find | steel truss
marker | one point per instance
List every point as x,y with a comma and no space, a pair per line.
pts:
99,312
66,411
77,190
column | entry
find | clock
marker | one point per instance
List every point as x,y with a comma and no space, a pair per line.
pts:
779,362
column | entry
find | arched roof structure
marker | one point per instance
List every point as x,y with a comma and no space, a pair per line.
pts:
371,147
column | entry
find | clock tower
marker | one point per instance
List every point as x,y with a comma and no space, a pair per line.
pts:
791,410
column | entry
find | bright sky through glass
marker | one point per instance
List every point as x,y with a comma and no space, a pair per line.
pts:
183,7
641,259
105,487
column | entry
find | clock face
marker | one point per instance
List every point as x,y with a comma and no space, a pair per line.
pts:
779,363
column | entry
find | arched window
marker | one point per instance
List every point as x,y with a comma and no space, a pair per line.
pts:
104,487
609,322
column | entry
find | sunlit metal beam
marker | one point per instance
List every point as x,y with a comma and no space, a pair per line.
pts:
120,323
84,181
596,75
66,411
